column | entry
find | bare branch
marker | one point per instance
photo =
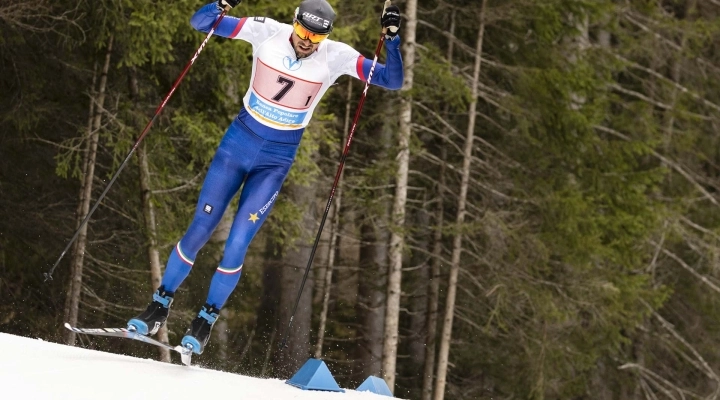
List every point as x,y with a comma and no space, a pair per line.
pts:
655,102
707,369
665,160
688,268
192,183
656,379
34,16
668,80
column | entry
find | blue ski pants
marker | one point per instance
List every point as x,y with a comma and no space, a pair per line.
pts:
244,155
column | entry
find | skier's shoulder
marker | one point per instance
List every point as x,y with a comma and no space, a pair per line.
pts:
262,21
338,50
336,46
265,23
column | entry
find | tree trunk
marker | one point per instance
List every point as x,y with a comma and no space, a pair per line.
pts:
392,312
149,218
72,300
222,336
373,261
294,263
433,295
333,235
70,336
371,297
151,232
434,288
267,317
443,356
675,72
420,264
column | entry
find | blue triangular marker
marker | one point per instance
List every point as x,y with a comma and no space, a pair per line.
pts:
375,385
314,375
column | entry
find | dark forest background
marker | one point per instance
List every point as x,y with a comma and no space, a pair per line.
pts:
535,215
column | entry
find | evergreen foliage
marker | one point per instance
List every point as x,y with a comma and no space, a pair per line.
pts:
591,241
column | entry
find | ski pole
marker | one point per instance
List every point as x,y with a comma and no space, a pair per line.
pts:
337,178
48,275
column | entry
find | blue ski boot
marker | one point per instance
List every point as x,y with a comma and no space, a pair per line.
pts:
198,334
154,317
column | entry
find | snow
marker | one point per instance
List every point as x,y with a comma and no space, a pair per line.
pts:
35,369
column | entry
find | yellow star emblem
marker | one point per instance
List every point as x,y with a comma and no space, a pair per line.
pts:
253,217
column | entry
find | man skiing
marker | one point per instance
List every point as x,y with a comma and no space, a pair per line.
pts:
293,66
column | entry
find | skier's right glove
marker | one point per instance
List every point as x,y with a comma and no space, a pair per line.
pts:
224,3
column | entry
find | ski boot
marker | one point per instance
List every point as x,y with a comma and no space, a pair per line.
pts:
198,334
154,317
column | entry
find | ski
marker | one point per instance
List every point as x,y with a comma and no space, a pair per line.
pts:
185,354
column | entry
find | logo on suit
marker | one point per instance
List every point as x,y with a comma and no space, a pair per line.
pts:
290,64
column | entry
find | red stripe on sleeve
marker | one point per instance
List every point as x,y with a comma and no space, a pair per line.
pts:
359,68
239,26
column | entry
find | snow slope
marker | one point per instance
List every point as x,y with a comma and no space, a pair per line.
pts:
34,369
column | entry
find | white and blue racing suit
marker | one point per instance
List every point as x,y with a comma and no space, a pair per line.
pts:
260,145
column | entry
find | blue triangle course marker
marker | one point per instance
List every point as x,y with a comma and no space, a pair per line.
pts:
375,385
314,375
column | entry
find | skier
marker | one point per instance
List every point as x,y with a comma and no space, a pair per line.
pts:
293,66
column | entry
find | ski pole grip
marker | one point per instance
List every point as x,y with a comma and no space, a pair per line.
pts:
385,6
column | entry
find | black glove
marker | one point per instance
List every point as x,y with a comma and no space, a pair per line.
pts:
390,19
224,3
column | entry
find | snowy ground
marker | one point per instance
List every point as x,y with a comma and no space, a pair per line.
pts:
34,369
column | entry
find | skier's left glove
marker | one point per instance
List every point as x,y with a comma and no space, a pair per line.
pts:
390,19
224,3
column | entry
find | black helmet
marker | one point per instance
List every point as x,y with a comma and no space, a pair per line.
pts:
317,16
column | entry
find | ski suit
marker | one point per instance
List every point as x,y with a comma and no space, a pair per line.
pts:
260,145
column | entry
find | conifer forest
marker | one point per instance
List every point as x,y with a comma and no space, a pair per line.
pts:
534,215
